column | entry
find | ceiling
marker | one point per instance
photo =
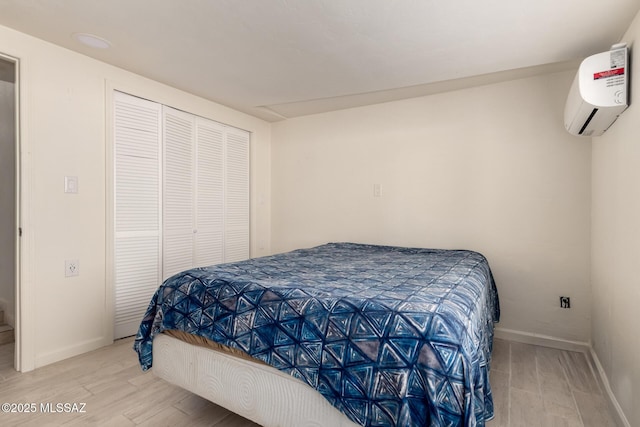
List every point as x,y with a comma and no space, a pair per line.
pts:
277,59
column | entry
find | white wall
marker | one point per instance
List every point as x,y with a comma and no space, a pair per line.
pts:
64,125
489,168
616,246
7,200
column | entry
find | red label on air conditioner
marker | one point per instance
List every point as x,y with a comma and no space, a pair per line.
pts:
608,73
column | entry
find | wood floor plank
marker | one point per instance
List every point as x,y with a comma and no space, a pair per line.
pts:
557,397
150,398
500,357
531,385
500,389
106,404
579,373
524,372
172,417
593,409
550,362
560,421
527,409
140,378
113,420
197,407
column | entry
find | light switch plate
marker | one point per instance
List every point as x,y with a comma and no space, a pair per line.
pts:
377,190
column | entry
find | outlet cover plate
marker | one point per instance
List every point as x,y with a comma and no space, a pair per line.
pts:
71,268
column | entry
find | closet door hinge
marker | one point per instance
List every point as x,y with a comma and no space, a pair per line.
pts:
19,231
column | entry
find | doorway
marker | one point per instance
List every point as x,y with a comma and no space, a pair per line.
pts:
8,201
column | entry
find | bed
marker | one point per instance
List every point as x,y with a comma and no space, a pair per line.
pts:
341,334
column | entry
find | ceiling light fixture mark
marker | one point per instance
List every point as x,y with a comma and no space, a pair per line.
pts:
92,40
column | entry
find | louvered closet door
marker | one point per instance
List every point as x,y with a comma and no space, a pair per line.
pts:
137,209
209,193
178,190
236,195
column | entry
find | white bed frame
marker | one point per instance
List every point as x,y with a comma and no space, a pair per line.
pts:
255,391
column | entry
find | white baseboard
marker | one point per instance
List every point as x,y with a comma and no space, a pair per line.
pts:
542,340
614,406
562,344
70,351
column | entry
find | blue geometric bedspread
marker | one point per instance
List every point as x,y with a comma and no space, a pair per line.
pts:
390,336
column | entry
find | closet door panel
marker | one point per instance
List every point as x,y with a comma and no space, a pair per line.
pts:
137,277
178,191
209,193
137,133
137,199
236,195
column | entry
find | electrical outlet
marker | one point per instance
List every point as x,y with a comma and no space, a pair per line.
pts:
565,302
71,268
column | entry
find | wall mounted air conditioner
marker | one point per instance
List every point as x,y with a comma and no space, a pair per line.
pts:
599,92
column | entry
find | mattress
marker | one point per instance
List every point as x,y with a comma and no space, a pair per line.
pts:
252,389
388,336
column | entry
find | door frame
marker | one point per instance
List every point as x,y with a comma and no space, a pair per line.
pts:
21,248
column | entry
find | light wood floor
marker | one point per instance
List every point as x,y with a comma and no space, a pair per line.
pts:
533,386
539,386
